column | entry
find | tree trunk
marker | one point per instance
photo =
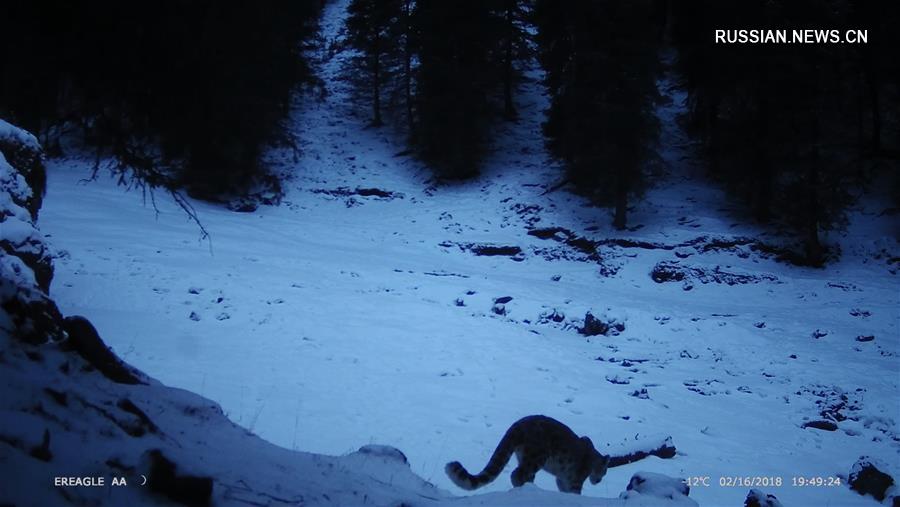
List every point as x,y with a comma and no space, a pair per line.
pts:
376,83
509,110
876,117
874,104
621,203
763,208
712,136
860,129
763,198
407,71
813,247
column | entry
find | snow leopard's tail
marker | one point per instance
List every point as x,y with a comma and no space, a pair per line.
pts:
462,478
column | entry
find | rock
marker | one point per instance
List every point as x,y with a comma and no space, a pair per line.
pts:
555,233
384,451
42,452
820,425
583,245
552,316
35,318
23,152
674,271
503,300
492,250
499,309
515,253
667,272
144,424
661,447
361,192
594,326
866,338
193,316
242,205
756,498
867,479
84,339
25,260
649,484
375,192
23,240
163,478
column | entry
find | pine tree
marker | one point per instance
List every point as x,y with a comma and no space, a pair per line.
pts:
404,32
601,62
455,76
514,46
783,123
371,25
182,94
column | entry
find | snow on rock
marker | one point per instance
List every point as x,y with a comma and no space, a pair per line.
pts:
868,477
26,267
21,238
756,498
641,447
658,487
675,271
11,133
20,149
384,451
17,190
602,325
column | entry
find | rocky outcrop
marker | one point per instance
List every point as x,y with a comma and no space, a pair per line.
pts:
26,267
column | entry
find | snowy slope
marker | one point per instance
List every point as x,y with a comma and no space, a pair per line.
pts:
334,320
77,427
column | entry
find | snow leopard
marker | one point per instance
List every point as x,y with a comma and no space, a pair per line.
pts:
539,442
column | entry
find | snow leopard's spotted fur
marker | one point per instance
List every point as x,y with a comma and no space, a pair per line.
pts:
539,442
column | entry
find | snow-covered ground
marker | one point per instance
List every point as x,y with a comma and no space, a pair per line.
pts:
337,319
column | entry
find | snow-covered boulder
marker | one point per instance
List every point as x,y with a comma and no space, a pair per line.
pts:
604,324
384,452
756,498
868,477
22,151
26,266
653,485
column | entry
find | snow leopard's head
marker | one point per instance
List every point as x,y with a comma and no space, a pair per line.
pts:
598,462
